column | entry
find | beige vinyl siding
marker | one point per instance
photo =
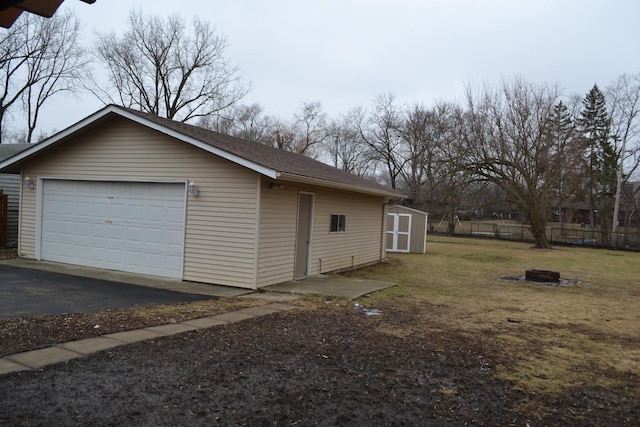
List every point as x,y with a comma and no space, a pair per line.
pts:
26,223
221,223
361,243
278,227
278,213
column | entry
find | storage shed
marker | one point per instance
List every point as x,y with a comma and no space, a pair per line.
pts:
406,230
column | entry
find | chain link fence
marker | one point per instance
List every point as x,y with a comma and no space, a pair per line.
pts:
571,234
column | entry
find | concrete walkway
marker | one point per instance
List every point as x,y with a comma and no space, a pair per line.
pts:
36,359
331,285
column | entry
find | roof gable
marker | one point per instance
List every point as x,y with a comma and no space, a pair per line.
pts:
265,160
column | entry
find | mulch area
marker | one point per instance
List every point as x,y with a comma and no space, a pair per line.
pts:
330,366
23,334
8,253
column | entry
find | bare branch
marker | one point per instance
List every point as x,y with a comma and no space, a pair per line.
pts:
160,67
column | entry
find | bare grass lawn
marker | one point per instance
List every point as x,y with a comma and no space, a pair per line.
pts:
455,344
559,339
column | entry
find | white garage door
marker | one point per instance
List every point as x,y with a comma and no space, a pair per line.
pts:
128,226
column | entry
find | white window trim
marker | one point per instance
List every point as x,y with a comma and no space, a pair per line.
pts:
331,223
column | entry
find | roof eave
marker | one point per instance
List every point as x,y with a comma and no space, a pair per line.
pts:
338,185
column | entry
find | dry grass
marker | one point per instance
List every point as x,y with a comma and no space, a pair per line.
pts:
556,337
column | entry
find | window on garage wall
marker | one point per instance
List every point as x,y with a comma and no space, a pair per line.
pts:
338,223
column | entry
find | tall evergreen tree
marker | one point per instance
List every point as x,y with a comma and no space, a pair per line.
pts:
601,158
565,154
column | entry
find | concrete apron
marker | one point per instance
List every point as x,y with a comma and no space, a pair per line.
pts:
324,284
130,278
331,285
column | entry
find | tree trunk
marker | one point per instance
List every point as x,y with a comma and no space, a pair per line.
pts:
538,227
451,225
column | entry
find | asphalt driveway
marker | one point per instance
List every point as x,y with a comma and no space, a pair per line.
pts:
28,292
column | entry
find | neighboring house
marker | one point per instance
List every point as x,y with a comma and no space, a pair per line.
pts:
130,191
10,185
406,230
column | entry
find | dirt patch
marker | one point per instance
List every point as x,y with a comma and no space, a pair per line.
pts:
561,282
30,333
334,366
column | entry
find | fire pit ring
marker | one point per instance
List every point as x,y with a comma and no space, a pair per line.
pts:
542,276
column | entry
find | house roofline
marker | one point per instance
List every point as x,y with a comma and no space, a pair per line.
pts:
103,114
114,109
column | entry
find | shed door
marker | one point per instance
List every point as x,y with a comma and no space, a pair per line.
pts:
128,226
398,232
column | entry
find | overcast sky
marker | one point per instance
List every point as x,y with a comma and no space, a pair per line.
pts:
343,53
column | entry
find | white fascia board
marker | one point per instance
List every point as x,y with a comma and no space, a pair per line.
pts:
337,185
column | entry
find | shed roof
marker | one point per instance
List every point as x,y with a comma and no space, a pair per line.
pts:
271,162
406,208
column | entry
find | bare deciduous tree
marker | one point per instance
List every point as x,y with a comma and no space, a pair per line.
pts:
345,149
39,58
418,131
243,121
380,132
624,101
449,180
161,67
507,143
310,125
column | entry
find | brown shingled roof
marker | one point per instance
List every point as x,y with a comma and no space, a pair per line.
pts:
279,160
268,161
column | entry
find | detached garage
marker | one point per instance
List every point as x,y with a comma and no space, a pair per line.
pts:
406,230
130,191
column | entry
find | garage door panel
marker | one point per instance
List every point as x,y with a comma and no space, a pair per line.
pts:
174,238
119,212
115,256
175,215
156,214
153,260
94,253
136,227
